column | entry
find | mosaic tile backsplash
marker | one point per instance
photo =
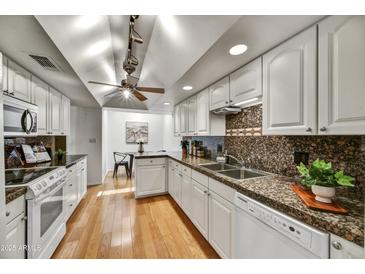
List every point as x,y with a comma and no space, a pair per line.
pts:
275,153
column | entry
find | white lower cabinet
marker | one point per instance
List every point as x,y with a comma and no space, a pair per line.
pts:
150,177
186,194
170,180
220,225
176,189
15,230
343,249
199,207
82,178
71,190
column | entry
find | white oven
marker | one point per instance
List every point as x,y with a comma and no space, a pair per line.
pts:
20,117
46,216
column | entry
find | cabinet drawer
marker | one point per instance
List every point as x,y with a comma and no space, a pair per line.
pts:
185,170
150,161
14,209
221,189
200,178
81,164
71,171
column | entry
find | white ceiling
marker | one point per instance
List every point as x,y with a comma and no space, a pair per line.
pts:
21,35
177,50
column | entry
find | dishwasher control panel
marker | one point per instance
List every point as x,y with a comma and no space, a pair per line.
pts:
283,225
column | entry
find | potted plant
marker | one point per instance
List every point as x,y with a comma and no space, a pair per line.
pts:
184,146
323,179
59,153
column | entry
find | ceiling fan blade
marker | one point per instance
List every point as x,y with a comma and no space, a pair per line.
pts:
132,80
105,84
114,92
153,90
139,95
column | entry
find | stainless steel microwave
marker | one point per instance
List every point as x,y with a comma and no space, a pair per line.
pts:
20,117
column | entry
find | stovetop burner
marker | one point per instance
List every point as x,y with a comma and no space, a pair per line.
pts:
19,177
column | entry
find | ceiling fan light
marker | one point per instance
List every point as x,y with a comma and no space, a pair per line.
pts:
187,88
238,49
126,93
166,103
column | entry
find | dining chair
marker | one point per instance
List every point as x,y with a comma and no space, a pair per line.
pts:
119,160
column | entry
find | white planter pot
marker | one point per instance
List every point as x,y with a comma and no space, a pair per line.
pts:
324,194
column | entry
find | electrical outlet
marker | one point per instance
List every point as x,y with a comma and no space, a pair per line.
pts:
301,157
92,140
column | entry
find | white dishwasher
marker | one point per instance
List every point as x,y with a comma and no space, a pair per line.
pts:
263,233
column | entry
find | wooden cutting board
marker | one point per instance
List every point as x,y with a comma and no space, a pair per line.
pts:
308,199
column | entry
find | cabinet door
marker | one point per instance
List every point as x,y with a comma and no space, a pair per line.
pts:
40,97
18,81
65,125
220,225
15,238
72,193
246,83
202,113
343,249
186,194
199,207
5,74
290,87
177,120
56,107
170,178
219,94
183,119
150,180
342,75
192,116
177,187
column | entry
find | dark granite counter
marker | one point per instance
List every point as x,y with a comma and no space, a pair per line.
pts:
13,193
275,191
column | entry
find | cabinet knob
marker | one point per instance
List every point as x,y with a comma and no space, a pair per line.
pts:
337,245
70,185
230,101
208,194
70,205
7,213
24,218
205,191
323,129
308,129
226,102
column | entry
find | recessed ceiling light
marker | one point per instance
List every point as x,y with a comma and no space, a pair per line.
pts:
238,49
126,93
166,103
187,88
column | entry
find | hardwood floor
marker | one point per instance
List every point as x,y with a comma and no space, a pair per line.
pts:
110,223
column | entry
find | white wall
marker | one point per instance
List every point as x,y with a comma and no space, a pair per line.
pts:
160,133
86,138
2,172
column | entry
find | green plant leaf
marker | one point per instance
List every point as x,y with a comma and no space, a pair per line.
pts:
343,179
303,170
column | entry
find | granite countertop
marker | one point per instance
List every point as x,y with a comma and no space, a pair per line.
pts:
275,191
13,193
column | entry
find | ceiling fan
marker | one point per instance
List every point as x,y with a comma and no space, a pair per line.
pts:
129,86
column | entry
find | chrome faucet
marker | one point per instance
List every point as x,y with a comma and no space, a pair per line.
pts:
234,158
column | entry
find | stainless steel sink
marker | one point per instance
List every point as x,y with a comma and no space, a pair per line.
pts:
218,166
242,173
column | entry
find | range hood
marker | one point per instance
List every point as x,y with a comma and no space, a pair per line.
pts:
236,108
227,110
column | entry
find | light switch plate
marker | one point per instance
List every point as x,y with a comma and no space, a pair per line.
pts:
92,140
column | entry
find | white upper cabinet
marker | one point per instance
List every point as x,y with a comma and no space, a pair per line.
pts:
56,111
65,123
246,83
219,94
192,116
290,86
5,74
177,120
342,75
18,81
202,113
183,118
40,97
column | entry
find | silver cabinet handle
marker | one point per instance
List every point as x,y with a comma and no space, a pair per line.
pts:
70,185
308,129
208,194
226,102
7,213
337,245
205,191
230,101
70,205
24,218
323,129
180,174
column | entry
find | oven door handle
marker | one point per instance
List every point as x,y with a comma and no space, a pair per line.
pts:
48,194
